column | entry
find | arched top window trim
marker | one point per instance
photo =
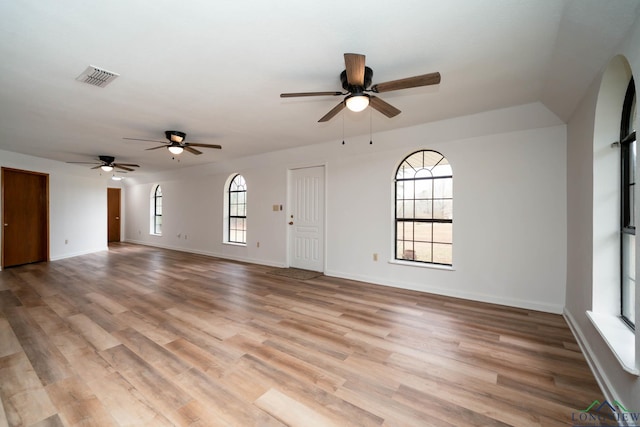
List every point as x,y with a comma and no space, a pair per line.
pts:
628,112
438,166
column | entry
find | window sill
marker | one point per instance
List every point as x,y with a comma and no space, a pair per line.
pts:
422,265
619,338
234,244
155,234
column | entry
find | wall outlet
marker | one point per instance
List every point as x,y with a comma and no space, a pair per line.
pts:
375,257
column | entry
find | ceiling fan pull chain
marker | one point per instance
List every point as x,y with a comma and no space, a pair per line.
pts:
370,127
343,128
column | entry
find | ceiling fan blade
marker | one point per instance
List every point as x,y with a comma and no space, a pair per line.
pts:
196,144
354,64
146,140
86,163
119,166
97,167
335,110
155,148
383,106
293,95
127,164
192,150
409,82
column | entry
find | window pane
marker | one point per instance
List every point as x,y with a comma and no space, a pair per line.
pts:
431,158
628,276
405,209
415,162
399,190
408,190
404,171
408,231
423,231
423,209
442,254
443,232
405,250
443,169
424,189
443,188
443,209
423,251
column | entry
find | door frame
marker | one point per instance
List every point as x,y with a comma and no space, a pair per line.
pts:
46,208
290,197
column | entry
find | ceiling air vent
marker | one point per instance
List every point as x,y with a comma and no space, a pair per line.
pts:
97,76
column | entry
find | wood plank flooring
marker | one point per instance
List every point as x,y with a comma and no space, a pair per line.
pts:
145,336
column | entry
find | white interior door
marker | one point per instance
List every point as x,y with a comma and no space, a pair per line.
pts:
306,218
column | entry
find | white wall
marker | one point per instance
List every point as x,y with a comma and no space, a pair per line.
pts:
591,251
509,207
77,204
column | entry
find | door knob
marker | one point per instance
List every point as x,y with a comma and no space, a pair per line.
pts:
6,225
117,217
290,222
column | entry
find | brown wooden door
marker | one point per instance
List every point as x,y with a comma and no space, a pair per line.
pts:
113,214
25,217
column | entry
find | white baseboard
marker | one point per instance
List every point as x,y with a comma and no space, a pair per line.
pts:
492,299
592,361
75,254
212,254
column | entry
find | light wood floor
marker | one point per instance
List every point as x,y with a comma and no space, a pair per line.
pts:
145,336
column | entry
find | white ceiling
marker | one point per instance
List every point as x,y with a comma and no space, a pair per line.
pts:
215,69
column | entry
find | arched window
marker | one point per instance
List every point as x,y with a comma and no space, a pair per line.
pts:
156,211
424,209
237,196
628,227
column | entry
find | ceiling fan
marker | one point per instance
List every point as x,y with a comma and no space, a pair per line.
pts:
356,79
177,143
107,163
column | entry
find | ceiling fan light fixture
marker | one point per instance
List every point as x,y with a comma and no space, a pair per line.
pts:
116,178
175,149
357,102
175,135
106,168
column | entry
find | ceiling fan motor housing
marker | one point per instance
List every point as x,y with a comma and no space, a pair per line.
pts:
368,76
107,159
175,135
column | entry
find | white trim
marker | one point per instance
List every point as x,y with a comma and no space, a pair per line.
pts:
492,299
422,265
596,368
211,254
619,338
75,254
244,245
